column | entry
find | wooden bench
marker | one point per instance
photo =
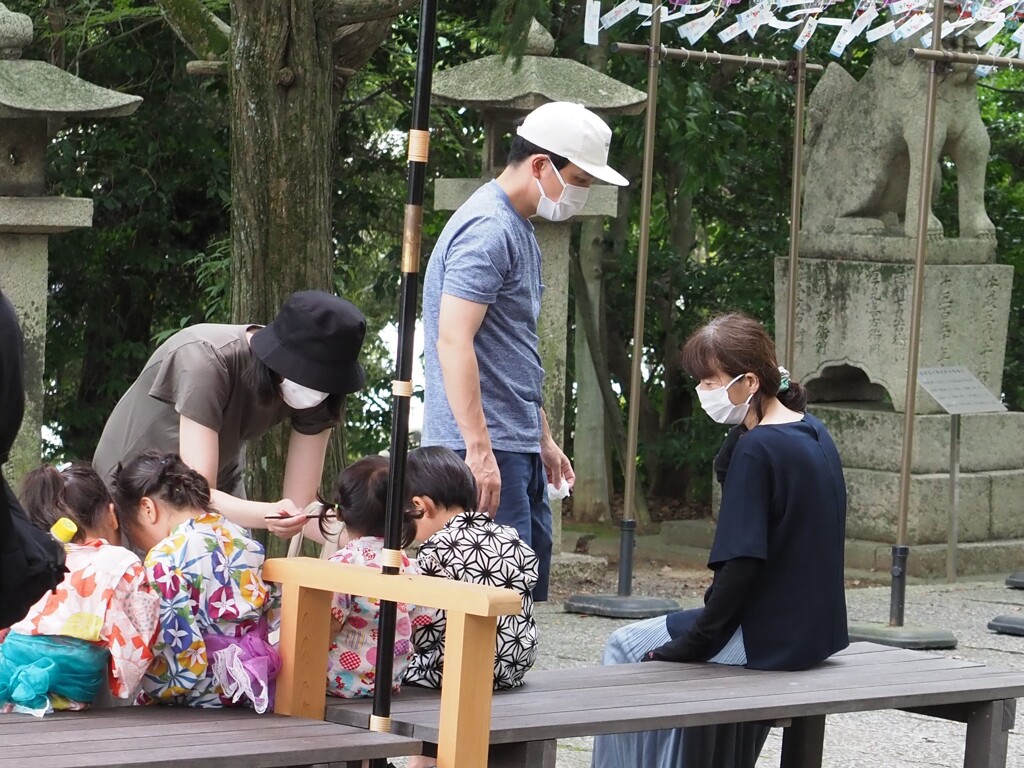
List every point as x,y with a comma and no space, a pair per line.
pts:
589,701
179,737
463,709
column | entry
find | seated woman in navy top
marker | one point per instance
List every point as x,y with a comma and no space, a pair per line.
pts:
776,601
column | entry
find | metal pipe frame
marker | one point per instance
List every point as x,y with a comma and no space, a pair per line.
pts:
643,250
799,76
924,203
956,57
713,57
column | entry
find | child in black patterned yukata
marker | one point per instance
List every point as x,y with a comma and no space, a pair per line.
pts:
465,545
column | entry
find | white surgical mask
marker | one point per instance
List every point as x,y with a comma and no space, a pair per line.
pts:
569,203
719,407
299,397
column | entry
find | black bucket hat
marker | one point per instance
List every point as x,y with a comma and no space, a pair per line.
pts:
315,341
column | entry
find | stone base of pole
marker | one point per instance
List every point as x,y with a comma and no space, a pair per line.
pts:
1007,625
913,638
1015,580
619,607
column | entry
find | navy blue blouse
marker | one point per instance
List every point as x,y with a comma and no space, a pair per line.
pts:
784,502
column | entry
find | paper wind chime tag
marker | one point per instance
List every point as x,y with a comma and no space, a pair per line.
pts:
986,69
882,30
805,34
984,38
852,31
692,31
592,23
619,12
912,26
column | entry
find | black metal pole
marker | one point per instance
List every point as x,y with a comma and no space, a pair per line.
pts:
419,145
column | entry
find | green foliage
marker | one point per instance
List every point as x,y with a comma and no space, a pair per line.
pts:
160,183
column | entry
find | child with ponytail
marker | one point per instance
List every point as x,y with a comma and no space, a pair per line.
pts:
97,626
215,609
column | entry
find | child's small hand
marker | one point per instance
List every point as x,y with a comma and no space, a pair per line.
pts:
287,519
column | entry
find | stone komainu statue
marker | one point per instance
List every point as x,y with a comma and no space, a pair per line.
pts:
864,141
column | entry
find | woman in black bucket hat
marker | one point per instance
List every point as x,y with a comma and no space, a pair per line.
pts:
210,388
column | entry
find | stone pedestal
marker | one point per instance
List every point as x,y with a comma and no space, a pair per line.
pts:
554,241
852,329
853,322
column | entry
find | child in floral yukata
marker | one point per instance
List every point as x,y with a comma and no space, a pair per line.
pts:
465,545
215,609
98,625
360,503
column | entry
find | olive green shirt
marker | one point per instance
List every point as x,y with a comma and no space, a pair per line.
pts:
198,373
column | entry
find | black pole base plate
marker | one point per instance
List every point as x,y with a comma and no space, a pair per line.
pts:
1015,580
913,638
618,607
1007,625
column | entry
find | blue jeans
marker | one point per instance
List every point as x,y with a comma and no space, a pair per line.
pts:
524,506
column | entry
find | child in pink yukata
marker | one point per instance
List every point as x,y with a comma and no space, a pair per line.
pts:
99,624
360,503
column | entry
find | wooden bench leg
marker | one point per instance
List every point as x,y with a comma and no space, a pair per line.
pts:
305,637
527,754
803,742
466,688
987,727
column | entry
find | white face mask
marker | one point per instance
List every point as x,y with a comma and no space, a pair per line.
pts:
569,203
719,407
299,397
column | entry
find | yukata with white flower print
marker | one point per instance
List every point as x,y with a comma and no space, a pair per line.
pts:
212,595
352,657
473,548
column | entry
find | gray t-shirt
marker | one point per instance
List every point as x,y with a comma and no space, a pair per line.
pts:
198,373
488,254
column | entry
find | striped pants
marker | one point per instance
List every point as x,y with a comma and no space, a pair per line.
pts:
733,746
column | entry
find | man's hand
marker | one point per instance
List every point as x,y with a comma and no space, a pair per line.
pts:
556,464
484,467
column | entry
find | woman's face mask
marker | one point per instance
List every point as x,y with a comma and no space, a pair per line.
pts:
299,397
569,203
719,407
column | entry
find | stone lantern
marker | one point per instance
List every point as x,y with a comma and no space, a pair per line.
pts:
503,94
35,99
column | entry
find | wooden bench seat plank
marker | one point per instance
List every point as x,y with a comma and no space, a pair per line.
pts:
271,753
610,681
12,723
588,723
164,737
225,740
684,706
657,682
69,730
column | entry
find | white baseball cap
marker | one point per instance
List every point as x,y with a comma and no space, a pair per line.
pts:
575,133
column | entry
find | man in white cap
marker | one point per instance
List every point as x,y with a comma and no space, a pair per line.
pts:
481,299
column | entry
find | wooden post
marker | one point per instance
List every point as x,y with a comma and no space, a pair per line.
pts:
305,637
465,726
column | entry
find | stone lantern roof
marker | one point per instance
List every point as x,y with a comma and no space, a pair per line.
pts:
37,89
492,83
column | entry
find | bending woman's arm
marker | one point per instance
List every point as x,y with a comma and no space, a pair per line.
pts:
199,447
720,616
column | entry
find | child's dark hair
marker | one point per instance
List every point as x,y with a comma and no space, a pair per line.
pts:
442,476
77,493
522,149
265,383
361,499
736,344
162,476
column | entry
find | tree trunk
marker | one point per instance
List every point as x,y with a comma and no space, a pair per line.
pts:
281,152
